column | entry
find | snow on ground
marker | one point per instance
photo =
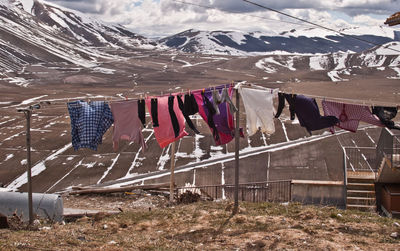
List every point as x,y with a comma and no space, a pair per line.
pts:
334,76
265,64
387,49
18,81
37,169
31,100
397,70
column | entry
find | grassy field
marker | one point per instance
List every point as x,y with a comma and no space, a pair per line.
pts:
211,226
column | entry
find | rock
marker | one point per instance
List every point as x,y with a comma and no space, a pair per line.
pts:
36,222
396,224
339,215
3,221
81,238
45,228
105,226
112,242
394,235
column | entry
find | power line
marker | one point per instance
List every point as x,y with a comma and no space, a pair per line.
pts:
318,25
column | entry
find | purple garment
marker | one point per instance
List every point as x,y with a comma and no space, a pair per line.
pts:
220,120
307,112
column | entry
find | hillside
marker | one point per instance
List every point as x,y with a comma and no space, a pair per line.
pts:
147,224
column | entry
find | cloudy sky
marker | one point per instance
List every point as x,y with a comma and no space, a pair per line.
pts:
156,18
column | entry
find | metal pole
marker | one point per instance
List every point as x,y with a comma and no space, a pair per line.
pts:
172,178
236,205
28,114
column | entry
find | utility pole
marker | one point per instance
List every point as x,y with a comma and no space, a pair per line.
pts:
28,115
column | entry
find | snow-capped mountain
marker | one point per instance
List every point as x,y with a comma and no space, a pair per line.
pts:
33,31
312,40
82,28
339,66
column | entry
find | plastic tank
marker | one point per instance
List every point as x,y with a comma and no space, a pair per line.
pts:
48,206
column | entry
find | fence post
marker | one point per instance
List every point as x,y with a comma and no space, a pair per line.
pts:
344,177
172,178
236,205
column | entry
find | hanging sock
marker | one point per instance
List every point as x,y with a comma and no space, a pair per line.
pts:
210,118
165,133
142,111
154,112
259,109
349,115
307,112
222,125
127,125
385,115
174,120
223,98
190,105
187,118
89,122
216,100
290,98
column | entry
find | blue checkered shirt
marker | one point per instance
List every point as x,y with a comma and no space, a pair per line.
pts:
89,122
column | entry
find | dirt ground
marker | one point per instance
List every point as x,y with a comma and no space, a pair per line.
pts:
147,223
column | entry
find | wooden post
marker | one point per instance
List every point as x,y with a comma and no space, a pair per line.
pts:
237,136
172,178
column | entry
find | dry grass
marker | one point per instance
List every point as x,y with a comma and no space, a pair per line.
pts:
210,226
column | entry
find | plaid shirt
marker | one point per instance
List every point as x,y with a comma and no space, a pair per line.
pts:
89,122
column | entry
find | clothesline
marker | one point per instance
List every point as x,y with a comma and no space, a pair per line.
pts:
108,99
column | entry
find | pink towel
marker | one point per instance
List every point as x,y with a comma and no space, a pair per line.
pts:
349,115
165,132
127,125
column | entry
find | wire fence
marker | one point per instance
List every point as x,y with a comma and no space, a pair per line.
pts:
361,159
271,191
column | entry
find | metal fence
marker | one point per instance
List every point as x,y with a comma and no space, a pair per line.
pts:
389,147
362,159
272,191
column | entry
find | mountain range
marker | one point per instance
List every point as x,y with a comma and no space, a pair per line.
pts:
34,31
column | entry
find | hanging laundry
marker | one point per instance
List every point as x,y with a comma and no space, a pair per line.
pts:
142,111
190,105
307,112
385,115
259,109
224,97
89,122
174,119
187,118
165,133
154,112
349,115
290,98
127,125
222,125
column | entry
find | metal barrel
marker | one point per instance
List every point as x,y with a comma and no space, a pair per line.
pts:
49,206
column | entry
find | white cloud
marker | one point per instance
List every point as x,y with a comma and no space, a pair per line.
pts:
367,20
166,17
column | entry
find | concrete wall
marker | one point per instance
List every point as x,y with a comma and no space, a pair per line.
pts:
319,192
